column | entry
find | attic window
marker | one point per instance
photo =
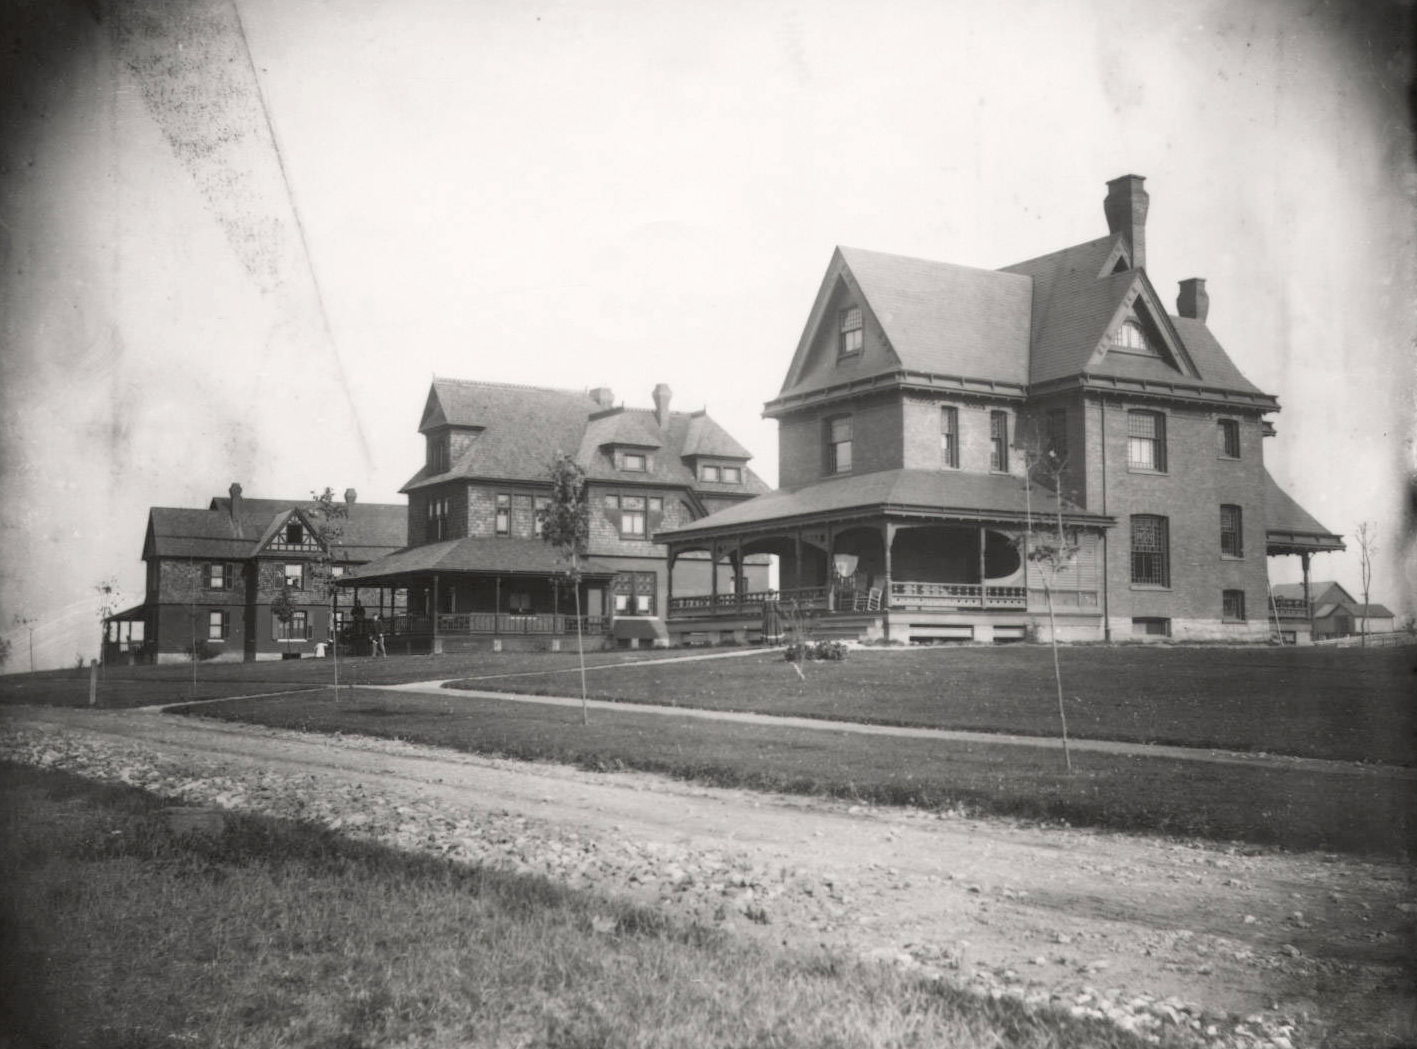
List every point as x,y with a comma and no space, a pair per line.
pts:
1131,339
851,335
294,534
634,461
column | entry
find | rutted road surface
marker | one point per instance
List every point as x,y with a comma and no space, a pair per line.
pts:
1236,946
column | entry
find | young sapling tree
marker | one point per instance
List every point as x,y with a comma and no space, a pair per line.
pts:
565,524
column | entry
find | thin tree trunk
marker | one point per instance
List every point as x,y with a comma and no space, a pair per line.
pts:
1057,674
580,644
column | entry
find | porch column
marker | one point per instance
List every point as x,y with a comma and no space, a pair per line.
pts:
797,562
713,577
888,534
496,606
831,569
671,556
983,591
437,641
738,580
1308,608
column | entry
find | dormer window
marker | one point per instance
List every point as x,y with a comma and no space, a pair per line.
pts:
1131,339
719,474
635,462
294,534
851,333
440,453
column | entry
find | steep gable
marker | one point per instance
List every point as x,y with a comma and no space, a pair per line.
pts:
929,318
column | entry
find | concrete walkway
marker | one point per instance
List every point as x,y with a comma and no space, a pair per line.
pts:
1144,750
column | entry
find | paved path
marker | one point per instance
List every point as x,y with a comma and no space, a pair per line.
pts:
1222,757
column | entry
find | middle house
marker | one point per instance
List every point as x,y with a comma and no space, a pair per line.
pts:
476,570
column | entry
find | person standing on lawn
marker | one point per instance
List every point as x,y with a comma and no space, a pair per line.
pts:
378,638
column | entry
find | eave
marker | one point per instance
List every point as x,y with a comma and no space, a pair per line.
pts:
1187,393
1279,542
900,379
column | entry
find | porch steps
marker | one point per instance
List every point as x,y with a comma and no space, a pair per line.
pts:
848,628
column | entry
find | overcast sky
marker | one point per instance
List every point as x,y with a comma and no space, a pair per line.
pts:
239,240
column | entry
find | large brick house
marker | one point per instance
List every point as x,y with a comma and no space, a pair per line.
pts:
475,567
214,573
921,397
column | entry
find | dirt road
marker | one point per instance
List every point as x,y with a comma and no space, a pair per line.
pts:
1241,946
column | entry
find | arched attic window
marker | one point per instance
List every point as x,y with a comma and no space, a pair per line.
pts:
1132,338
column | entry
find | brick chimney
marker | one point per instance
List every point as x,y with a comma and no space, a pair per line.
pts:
1193,302
349,496
1125,208
235,508
603,396
662,393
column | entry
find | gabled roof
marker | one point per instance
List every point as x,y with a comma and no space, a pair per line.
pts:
932,493
937,318
1289,528
1318,591
524,428
371,529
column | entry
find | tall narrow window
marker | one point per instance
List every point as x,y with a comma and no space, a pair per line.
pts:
217,626
1228,432
949,437
1232,605
839,445
1146,441
437,519
999,441
1057,423
504,515
851,338
541,505
1232,541
632,516
1151,559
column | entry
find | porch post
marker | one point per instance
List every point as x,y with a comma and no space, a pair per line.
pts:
1308,608
831,569
713,577
497,606
437,641
983,591
671,555
888,531
738,581
797,559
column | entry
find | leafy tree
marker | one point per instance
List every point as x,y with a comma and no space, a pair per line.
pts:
565,524
110,598
327,517
283,608
1051,547
4,651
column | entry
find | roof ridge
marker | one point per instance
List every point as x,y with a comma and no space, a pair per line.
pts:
919,258
1060,251
513,386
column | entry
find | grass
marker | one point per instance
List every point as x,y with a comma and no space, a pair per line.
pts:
1350,811
1345,704
125,686
119,934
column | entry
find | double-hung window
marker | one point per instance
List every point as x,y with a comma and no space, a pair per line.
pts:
298,629
1146,441
1227,432
1151,551
438,518
851,333
1232,542
632,516
218,623
294,575
999,441
504,515
216,576
839,445
949,437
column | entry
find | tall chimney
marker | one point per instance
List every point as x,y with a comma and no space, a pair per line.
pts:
662,393
349,496
1125,208
235,502
1193,302
603,396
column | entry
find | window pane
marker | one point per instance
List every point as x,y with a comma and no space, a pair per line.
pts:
841,429
732,475
633,502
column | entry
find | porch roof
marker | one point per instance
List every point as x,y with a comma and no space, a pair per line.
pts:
916,493
481,555
1289,528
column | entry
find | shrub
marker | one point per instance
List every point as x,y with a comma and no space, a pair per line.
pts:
828,650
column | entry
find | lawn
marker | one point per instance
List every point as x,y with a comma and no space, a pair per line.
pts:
1346,704
119,933
126,686
1354,810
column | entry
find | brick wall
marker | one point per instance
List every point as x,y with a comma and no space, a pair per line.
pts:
1188,494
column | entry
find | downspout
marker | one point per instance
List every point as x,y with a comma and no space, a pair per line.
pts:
437,641
1106,558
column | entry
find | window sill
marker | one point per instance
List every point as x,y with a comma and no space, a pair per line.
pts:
1232,557
1229,458
1235,622
1153,587
1147,470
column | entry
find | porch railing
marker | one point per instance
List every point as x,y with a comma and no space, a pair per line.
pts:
750,602
928,597
496,623
1291,607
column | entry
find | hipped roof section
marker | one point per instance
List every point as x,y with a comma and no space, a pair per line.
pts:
522,429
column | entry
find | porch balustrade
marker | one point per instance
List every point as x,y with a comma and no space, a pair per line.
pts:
1062,599
497,623
1291,608
929,597
750,602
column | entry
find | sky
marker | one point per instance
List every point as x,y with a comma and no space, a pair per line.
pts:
238,238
